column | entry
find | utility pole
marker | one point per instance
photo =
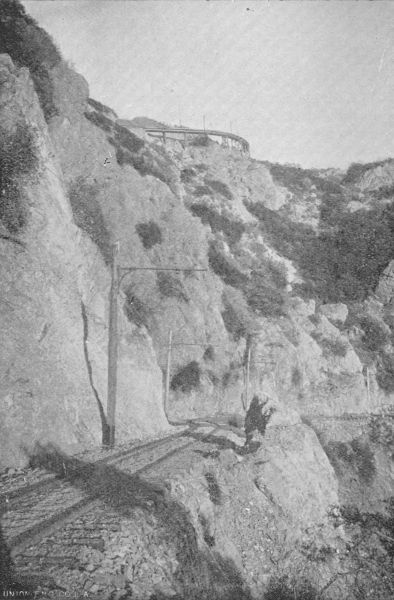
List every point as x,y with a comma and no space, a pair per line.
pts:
247,377
203,120
112,348
117,275
168,373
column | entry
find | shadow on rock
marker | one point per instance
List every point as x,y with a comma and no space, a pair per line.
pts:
201,572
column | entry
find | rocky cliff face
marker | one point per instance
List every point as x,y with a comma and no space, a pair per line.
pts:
54,310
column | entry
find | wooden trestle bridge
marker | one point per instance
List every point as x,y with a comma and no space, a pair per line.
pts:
229,140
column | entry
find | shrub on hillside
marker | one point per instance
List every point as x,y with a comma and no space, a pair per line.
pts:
369,550
263,296
381,431
18,159
201,167
100,120
289,238
149,233
100,107
385,372
356,454
357,170
332,209
300,180
136,311
200,140
384,192
29,46
127,139
344,263
219,187
225,267
335,346
187,378
88,215
237,317
187,175
375,335
265,300
219,222
131,150
171,287
209,353
202,190
286,588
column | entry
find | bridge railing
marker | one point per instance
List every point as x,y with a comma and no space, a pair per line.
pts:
227,138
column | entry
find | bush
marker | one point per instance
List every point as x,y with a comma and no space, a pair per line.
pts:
209,353
29,46
136,311
296,377
201,167
88,215
128,140
369,551
285,588
171,287
219,222
385,372
381,431
99,120
265,300
201,140
100,107
187,175
202,190
214,491
18,159
357,454
300,180
130,150
225,267
336,346
344,263
187,378
149,233
262,293
357,170
220,187
375,336
236,315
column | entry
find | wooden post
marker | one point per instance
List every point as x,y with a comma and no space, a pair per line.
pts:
112,349
247,378
168,373
368,387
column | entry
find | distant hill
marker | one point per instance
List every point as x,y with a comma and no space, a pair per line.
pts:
143,122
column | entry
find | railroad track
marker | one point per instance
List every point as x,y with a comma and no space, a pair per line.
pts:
47,481
34,512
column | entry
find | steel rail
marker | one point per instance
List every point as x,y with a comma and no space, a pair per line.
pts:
45,527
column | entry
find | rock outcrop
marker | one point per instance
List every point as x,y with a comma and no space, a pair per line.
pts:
54,313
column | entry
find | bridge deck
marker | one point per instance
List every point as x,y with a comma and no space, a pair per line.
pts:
185,131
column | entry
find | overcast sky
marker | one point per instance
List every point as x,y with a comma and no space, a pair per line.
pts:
305,82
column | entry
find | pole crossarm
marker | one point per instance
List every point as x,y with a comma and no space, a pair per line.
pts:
160,269
123,271
117,275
